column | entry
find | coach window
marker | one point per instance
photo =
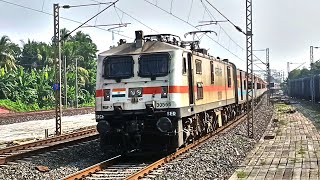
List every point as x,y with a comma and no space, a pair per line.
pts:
199,90
212,72
229,76
184,66
198,67
258,86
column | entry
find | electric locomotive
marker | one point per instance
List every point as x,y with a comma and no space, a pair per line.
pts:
160,93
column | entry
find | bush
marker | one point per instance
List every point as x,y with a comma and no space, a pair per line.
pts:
18,106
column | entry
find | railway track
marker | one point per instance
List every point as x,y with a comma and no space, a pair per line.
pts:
20,151
35,113
114,168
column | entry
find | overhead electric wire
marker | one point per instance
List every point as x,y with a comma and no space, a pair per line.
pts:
68,19
136,19
189,10
210,14
130,17
193,27
239,29
234,25
212,17
91,18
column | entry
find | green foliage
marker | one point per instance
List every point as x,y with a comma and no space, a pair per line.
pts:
27,75
241,174
297,73
294,74
8,53
301,151
18,106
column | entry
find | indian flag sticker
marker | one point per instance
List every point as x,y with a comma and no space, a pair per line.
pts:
119,92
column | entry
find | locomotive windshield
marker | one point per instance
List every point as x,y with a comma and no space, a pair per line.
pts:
153,65
120,67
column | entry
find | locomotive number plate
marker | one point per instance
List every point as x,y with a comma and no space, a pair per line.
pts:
164,104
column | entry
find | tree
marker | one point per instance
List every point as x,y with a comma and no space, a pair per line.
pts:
36,55
8,53
31,80
304,72
294,74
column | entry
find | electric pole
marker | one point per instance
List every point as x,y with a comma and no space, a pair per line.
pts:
76,83
65,83
249,74
311,57
57,58
312,77
268,76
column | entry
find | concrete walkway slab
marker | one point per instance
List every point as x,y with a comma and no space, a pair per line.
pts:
294,153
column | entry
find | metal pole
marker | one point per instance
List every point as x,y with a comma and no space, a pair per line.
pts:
268,76
311,57
57,55
312,88
249,74
65,83
288,68
76,83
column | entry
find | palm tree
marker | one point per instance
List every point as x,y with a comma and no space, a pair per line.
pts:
82,37
8,53
63,33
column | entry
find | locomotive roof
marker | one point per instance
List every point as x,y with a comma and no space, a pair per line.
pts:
148,47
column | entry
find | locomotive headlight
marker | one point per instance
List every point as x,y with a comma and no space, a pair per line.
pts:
164,125
107,94
135,92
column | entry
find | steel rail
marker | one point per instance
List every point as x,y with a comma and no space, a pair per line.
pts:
19,151
230,125
165,160
95,168
144,171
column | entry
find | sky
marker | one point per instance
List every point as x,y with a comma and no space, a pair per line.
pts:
287,27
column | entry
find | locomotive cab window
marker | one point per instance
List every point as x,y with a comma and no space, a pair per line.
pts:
229,76
199,90
212,72
198,67
118,67
154,65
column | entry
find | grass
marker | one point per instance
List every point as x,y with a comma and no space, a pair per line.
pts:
241,174
282,122
21,107
282,107
294,160
278,131
18,106
263,162
301,151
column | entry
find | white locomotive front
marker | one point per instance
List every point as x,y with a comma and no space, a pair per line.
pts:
135,98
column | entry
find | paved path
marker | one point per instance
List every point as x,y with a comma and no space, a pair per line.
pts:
35,129
294,153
